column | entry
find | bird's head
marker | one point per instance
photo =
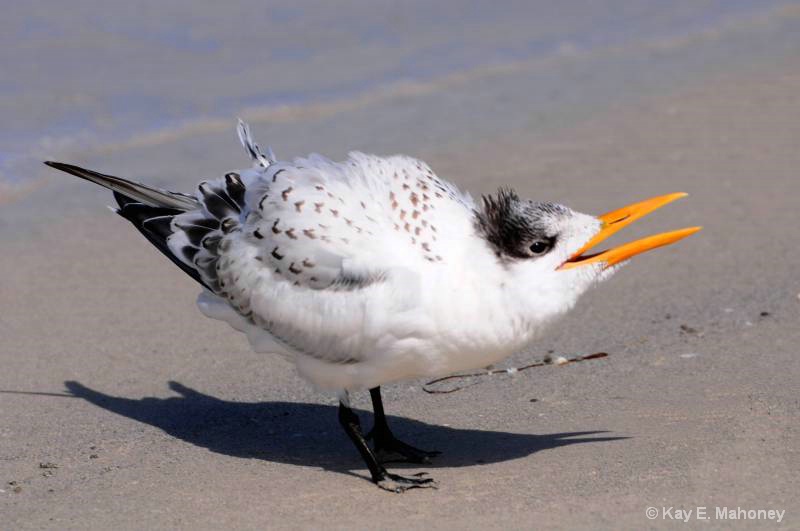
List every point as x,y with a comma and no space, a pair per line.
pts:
547,247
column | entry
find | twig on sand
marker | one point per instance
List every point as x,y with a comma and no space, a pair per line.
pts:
511,370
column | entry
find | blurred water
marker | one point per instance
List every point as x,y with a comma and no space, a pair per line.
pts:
92,74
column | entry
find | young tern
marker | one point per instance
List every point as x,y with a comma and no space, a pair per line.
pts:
374,270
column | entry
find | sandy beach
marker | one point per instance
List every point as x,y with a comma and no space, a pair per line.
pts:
122,407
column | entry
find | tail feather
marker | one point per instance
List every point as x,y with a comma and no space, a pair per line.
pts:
149,209
140,192
186,229
154,224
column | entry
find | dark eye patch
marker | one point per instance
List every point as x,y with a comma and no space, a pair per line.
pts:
514,227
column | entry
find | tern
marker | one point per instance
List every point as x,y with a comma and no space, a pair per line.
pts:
375,269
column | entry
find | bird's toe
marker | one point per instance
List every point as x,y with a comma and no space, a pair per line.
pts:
396,483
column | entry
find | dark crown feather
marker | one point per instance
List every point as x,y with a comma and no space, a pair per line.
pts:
509,224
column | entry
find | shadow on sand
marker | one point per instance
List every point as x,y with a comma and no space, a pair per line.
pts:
309,434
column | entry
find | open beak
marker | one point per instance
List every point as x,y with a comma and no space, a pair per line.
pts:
617,220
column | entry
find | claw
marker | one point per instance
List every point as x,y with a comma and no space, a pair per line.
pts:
398,484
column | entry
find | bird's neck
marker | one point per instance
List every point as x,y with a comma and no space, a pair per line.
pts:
484,317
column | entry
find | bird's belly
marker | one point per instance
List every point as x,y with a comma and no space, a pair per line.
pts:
388,360
368,345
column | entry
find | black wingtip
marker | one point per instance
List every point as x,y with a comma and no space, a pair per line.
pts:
69,168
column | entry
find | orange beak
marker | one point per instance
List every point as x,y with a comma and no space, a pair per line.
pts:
617,220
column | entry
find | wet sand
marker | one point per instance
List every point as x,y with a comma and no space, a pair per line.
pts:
155,417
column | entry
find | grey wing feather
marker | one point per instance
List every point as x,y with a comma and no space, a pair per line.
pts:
141,192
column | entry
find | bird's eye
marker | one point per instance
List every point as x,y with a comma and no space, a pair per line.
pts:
540,247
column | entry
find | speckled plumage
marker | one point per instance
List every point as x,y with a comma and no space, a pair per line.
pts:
369,270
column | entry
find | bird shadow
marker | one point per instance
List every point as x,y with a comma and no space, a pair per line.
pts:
309,434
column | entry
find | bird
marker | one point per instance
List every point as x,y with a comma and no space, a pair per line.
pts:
375,270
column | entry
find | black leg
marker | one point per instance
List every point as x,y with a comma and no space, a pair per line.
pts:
382,478
387,447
